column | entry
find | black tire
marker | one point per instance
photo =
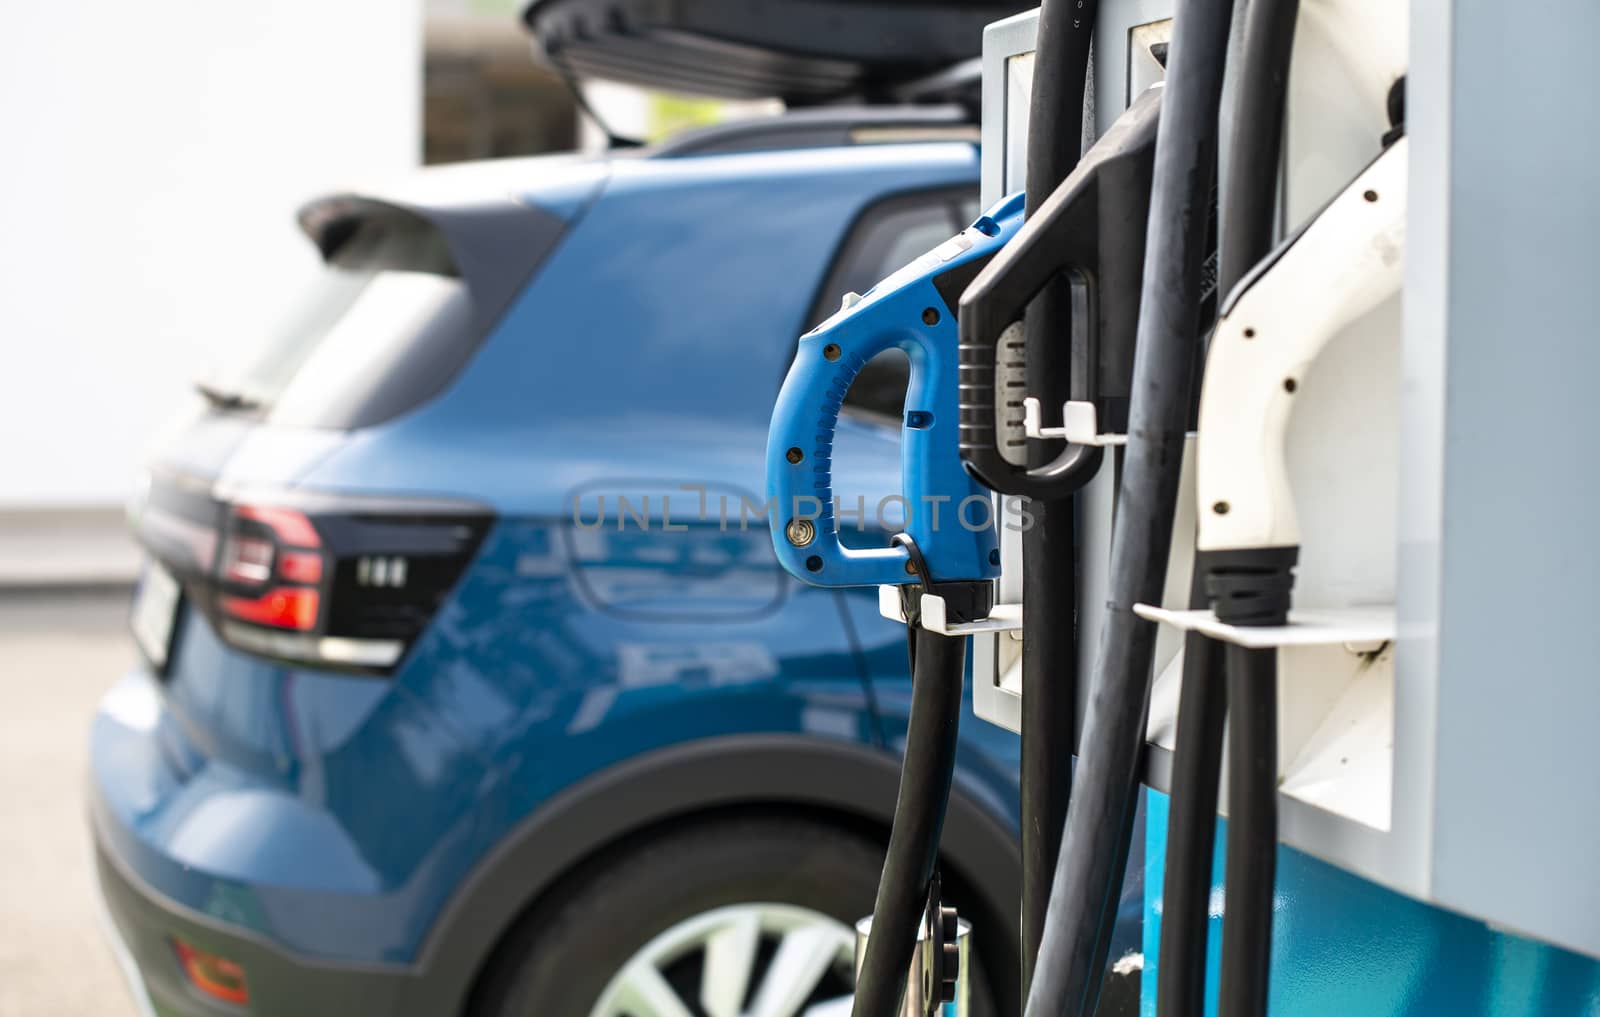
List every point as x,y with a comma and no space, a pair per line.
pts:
559,960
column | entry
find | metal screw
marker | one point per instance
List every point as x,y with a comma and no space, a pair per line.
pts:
800,532
911,567
1289,385
1370,195
1249,333
794,455
831,351
1221,508
930,316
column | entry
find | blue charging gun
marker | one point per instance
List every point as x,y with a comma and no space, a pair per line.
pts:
913,310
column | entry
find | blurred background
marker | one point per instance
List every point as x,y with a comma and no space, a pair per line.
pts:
158,155
155,157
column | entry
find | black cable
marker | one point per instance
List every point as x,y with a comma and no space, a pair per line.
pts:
1055,107
1049,709
1252,831
1191,829
1094,850
1252,596
1049,581
1250,587
1260,97
1249,231
938,665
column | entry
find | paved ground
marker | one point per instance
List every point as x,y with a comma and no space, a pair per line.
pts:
43,547
58,652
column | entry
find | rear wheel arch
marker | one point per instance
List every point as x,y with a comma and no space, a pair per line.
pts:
838,783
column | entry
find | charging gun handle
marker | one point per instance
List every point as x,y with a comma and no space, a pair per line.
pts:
1091,229
1348,260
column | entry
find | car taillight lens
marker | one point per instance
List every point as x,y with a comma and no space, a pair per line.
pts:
340,583
301,567
289,525
287,607
272,563
247,560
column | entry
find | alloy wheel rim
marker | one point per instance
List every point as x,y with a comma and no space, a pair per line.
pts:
744,960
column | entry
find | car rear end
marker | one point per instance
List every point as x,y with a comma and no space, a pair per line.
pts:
364,636
243,770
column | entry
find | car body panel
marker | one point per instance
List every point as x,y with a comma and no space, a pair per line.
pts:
832,780
700,392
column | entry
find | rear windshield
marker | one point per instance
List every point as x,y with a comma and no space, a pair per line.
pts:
389,306
399,309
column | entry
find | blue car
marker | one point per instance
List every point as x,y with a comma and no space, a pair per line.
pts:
470,683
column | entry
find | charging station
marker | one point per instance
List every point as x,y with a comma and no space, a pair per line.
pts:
1433,700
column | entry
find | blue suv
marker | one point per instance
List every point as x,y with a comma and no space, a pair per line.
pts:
470,684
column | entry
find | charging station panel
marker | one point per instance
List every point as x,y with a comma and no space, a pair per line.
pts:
1471,790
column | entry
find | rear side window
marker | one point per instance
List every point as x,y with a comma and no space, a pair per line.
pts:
388,283
390,320
887,237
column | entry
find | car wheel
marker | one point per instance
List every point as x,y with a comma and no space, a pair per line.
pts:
728,918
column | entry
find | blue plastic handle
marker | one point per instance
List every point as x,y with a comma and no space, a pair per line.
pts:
907,310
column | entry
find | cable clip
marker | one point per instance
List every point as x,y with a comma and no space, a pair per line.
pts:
953,608
941,953
1080,424
911,593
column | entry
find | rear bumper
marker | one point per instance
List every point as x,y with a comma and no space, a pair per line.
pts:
196,849
120,951
281,985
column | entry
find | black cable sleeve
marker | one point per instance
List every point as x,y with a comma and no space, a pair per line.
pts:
1260,97
919,809
1253,593
1191,830
1252,851
1049,582
1248,232
1049,707
1055,108
1094,850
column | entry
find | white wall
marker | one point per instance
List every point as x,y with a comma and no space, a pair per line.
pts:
152,155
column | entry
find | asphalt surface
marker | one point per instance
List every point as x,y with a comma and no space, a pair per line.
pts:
59,650
66,548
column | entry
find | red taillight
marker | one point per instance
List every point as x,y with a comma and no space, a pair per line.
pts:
274,553
300,566
216,976
348,584
290,527
287,607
